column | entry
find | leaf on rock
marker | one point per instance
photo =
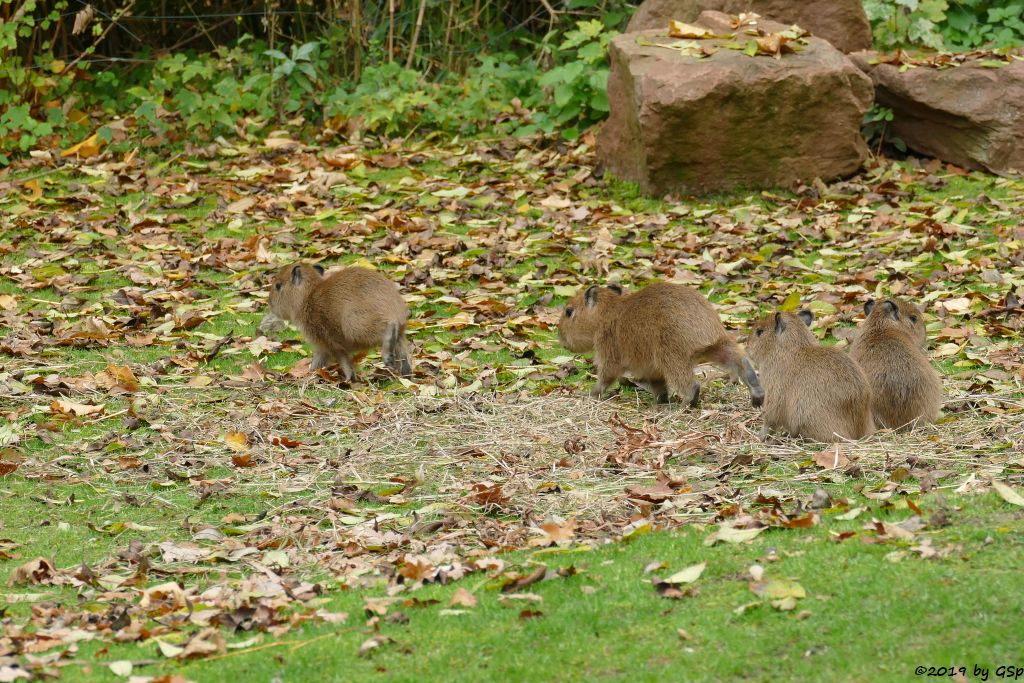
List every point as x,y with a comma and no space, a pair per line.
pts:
679,29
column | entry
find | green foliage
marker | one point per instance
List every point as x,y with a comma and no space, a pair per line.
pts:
31,95
210,92
391,100
394,100
559,86
938,24
973,23
578,83
295,75
875,128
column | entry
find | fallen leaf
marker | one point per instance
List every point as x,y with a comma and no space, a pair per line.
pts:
852,513
778,589
1007,493
688,575
372,644
463,598
88,147
678,29
62,407
237,441
730,534
39,570
35,190
832,458
121,667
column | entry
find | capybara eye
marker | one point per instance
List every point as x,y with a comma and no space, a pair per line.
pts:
568,312
758,332
913,319
278,286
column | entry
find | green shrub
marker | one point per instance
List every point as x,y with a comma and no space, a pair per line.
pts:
32,96
938,24
578,83
248,86
974,23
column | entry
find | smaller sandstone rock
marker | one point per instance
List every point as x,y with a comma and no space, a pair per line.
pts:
969,115
841,22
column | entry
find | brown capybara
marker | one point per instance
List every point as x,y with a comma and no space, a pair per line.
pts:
810,390
657,334
343,314
905,388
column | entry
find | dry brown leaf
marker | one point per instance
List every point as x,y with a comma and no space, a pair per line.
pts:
39,570
70,408
463,598
833,457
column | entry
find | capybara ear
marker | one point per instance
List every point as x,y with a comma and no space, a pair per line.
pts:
296,274
806,316
615,288
891,309
319,269
780,324
590,296
869,306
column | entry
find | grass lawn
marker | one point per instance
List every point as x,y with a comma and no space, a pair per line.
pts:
181,497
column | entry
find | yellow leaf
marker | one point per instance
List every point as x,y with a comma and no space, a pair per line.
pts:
89,147
237,441
792,302
77,116
677,29
34,188
778,589
57,66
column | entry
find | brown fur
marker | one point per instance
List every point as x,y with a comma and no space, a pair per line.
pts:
905,388
658,335
810,390
343,314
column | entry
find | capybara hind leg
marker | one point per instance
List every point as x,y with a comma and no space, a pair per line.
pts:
346,367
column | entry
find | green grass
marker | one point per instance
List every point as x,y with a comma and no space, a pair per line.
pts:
864,617
158,460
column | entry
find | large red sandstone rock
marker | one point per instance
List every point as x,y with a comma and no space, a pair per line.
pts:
679,124
841,22
969,115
